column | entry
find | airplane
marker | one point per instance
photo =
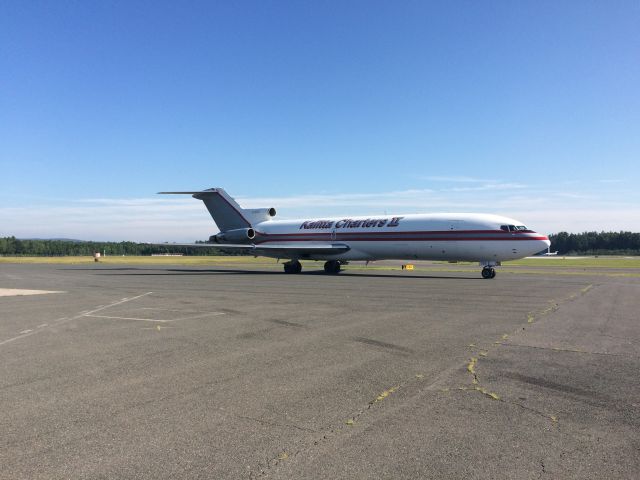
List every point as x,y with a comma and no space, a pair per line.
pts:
484,238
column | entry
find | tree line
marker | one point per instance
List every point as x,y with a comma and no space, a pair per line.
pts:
11,246
596,243
586,243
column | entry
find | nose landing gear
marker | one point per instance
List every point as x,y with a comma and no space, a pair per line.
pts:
488,272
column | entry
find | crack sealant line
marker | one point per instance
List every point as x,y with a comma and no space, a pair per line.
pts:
534,316
263,468
283,455
570,350
64,320
274,424
473,361
494,396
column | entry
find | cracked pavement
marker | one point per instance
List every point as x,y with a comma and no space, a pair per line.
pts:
243,373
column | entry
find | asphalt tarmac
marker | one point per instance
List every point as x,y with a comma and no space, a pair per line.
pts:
194,372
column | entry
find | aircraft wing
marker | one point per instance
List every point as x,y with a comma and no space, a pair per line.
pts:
286,249
283,248
230,246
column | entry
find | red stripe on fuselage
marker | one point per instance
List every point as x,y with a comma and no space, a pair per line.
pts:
395,232
374,237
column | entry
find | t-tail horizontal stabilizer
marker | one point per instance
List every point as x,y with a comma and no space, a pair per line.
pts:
223,209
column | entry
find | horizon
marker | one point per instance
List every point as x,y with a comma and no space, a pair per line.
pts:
191,217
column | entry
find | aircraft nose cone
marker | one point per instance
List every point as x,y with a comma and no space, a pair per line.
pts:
545,244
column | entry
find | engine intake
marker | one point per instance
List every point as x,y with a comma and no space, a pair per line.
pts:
241,235
258,215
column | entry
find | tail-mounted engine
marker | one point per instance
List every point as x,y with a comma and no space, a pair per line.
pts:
258,215
241,235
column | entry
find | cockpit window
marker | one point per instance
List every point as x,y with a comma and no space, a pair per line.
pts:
513,228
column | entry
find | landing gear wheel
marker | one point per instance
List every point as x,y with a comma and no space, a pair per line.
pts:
294,266
488,272
332,266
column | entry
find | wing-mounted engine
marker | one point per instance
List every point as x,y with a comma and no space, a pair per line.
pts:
258,215
240,235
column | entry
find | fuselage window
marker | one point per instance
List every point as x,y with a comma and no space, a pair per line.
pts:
504,227
521,227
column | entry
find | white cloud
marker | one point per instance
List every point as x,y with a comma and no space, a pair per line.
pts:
120,219
489,186
572,195
457,179
377,199
547,209
581,220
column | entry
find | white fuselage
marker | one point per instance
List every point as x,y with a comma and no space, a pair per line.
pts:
442,236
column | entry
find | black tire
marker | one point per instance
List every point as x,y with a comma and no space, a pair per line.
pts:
293,266
332,267
493,273
486,272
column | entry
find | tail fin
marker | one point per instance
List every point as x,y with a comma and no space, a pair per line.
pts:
223,209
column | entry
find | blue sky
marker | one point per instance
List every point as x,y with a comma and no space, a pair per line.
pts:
531,110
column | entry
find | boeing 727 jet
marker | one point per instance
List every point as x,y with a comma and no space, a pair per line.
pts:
484,238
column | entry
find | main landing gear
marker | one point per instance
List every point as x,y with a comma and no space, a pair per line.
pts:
488,272
332,266
294,266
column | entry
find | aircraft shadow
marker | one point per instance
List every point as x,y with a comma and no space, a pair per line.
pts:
141,271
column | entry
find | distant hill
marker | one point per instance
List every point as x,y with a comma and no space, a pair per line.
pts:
57,239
